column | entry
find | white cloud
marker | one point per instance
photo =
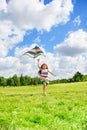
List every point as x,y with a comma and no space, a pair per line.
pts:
3,5
17,17
31,14
62,66
37,40
63,63
72,54
68,66
75,44
8,66
9,36
77,21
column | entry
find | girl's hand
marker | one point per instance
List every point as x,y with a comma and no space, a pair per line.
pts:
38,63
38,60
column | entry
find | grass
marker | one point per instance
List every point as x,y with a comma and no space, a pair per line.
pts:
25,108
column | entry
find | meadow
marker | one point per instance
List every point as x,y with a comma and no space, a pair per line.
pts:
25,108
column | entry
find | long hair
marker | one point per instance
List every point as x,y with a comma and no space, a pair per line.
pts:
39,72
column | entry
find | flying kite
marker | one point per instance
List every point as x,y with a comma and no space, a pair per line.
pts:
34,52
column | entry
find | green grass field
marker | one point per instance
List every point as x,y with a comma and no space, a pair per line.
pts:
25,108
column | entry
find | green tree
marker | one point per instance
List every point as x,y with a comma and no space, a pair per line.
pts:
77,77
29,81
26,80
16,80
36,81
84,78
10,82
22,80
3,81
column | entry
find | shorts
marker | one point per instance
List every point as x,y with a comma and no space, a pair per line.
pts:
44,81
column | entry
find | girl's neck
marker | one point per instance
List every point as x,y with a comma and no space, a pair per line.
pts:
44,69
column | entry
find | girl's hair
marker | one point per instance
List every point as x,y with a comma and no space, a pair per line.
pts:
39,72
43,65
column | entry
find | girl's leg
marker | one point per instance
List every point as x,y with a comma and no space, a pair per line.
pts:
44,88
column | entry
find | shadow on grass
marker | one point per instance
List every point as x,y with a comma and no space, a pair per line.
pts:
24,95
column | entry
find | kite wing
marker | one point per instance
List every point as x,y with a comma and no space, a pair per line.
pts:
34,52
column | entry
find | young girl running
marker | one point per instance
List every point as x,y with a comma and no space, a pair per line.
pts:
43,73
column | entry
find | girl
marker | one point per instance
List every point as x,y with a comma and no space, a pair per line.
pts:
43,73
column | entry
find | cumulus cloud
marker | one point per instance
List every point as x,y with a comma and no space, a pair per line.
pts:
72,54
37,40
77,21
8,66
3,5
62,66
16,17
75,44
9,37
31,14
68,66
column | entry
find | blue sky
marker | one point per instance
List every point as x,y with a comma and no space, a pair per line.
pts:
58,33
58,27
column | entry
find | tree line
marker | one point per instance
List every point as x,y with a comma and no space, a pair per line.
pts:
19,81
78,77
27,80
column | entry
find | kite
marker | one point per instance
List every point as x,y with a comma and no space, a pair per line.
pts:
34,52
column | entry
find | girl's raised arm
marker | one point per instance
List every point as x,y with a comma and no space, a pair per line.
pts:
38,63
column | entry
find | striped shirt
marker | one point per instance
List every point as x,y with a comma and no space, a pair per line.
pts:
44,73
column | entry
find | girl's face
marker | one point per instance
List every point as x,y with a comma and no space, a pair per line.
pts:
44,66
